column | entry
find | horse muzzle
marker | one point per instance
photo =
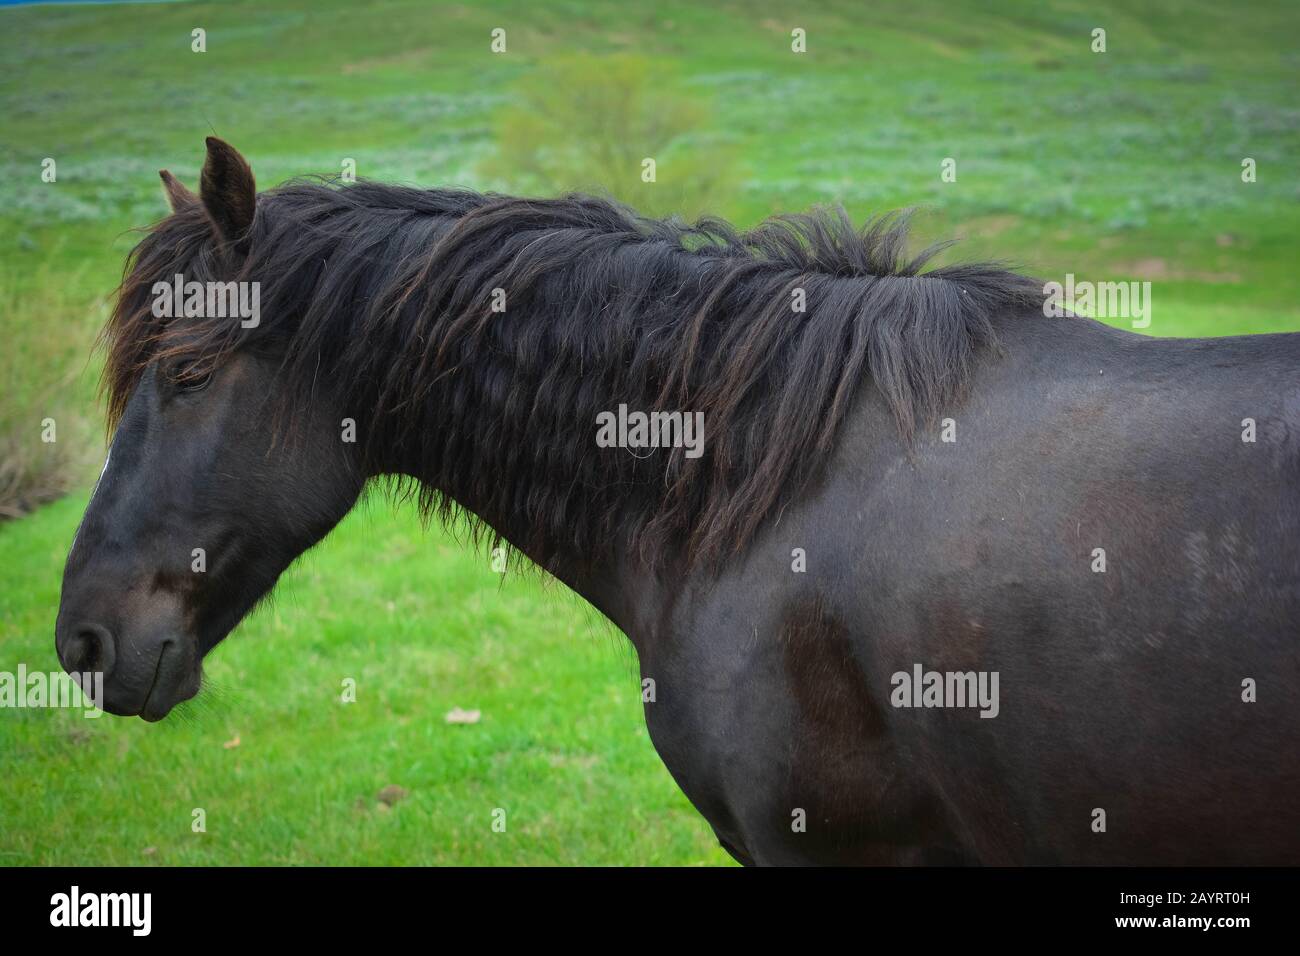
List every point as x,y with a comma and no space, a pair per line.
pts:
146,673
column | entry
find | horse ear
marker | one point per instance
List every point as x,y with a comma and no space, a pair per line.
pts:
228,192
177,195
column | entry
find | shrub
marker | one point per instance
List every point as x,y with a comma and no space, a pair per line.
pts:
587,123
44,362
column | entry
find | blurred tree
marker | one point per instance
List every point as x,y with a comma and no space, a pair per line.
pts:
589,123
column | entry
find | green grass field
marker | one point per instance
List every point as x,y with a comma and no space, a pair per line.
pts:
422,628
1124,165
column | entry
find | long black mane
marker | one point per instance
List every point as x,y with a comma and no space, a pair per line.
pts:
385,293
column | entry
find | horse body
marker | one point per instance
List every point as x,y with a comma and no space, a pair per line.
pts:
1120,690
919,474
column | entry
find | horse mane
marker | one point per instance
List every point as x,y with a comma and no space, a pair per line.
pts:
385,293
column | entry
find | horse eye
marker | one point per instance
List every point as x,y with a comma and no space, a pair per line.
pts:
187,380
198,383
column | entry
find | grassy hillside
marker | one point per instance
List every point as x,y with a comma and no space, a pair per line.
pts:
1111,166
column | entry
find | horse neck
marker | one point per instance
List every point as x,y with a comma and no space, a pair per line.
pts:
455,451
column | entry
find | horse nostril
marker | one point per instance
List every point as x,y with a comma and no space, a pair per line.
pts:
90,649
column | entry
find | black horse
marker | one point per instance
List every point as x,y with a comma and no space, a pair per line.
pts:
947,580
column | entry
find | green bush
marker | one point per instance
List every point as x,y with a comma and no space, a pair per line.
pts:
588,123
48,390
